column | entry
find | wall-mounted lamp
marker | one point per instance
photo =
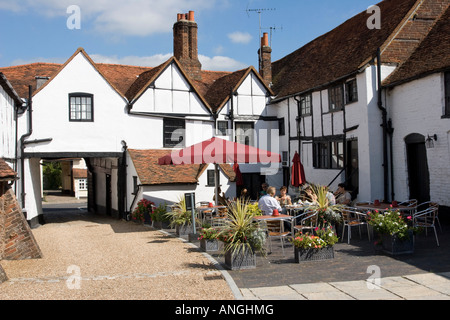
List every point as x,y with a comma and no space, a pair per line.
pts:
430,141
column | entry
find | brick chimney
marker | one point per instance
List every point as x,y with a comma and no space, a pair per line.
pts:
185,44
265,60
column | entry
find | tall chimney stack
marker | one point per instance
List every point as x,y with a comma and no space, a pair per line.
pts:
185,44
265,60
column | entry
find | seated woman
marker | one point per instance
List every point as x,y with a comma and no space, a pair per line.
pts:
342,195
284,199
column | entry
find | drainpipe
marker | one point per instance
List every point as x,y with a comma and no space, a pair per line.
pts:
390,132
384,125
22,143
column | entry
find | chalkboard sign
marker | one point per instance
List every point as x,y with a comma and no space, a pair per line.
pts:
190,201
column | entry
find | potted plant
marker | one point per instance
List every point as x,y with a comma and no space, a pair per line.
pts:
310,247
395,232
328,213
242,236
159,217
143,211
208,239
180,218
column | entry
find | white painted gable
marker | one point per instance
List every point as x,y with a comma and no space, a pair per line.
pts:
170,93
251,98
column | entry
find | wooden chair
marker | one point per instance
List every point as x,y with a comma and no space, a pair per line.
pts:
275,229
353,218
219,219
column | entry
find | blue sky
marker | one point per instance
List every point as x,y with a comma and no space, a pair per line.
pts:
139,32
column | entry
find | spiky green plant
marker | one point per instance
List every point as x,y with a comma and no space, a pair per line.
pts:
179,216
328,213
240,232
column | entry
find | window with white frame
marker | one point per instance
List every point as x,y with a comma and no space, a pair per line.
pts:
305,105
82,184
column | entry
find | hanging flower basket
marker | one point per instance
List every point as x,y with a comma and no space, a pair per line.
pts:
302,255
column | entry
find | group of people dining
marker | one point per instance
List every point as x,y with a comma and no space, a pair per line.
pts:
269,200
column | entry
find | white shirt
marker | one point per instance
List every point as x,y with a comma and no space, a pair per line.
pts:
267,203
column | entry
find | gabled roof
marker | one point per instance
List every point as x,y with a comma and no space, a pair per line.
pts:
6,173
338,53
220,91
151,173
9,89
432,55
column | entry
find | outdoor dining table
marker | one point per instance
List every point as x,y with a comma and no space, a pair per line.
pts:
292,209
202,209
383,207
284,217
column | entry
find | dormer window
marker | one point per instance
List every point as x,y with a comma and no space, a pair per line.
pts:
81,107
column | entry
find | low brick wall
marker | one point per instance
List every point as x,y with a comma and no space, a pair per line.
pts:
16,239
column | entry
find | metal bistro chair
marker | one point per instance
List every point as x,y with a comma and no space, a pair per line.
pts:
411,203
275,229
426,219
429,204
218,220
353,218
308,221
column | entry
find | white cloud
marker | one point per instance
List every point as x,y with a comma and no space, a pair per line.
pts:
220,63
137,18
216,63
240,37
149,61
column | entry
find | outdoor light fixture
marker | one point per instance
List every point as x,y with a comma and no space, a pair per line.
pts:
430,143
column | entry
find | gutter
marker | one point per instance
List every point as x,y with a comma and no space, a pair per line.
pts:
22,143
384,126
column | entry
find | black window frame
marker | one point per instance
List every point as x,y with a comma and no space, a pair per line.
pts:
336,96
351,91
173,124
306,105
324,153
81,95
281,127
211,178
251,141
220,131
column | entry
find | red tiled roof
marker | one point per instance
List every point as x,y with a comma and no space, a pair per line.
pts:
6,173
338,53
79,173
151,173
432,55
7,86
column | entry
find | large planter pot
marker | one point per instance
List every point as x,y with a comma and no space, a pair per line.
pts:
161,225
147,218
184,230
392,245
302,255
240,260
209,245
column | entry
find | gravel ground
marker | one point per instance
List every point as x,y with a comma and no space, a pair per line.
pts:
115,260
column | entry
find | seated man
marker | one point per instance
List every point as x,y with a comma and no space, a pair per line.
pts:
268,203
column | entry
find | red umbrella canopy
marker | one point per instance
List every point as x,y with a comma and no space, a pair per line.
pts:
298,173
239,178
220,151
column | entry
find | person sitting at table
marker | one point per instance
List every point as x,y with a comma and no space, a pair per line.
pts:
342,195
244,195
222,200
284,199
264,187
268,203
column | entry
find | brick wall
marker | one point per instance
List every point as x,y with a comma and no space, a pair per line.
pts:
16,239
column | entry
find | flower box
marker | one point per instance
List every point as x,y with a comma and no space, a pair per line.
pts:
313,254
161,225
392,245
209,245
240,260
184,230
